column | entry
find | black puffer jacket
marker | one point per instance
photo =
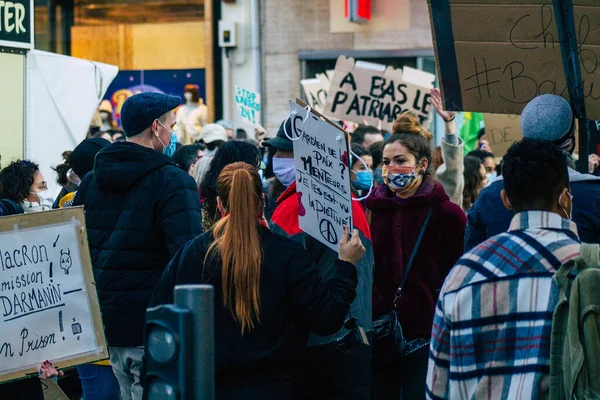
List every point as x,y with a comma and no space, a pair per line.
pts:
140,209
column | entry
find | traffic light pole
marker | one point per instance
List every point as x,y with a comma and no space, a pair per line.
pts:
199,299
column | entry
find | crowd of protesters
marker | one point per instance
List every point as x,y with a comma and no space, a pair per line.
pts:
457,255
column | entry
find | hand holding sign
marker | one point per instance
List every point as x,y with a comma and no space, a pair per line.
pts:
351,250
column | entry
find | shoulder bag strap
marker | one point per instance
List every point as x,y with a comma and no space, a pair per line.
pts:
412,256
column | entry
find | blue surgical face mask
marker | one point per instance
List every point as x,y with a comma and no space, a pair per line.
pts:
378,176
170,149
364,180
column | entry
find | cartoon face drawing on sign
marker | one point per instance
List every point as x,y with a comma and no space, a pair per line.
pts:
65,260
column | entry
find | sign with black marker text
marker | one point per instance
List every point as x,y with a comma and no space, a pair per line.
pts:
322,176
48,304
365,94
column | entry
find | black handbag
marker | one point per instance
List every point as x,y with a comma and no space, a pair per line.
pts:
388,342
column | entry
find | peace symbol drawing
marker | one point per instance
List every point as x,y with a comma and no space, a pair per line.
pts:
328,231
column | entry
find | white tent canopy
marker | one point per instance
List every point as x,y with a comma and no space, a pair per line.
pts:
62,96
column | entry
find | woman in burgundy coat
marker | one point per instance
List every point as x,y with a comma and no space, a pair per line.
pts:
399,209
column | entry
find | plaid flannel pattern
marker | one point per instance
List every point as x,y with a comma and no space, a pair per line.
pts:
493,320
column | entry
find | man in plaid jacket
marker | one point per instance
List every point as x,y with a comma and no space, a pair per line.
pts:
491,331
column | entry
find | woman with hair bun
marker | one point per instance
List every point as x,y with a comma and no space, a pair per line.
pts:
410,205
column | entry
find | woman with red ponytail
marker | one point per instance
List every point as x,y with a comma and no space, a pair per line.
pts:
268,293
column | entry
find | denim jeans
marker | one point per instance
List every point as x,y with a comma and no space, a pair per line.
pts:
127,363
98,382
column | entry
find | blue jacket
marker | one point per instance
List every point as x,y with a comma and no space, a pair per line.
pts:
140,208
488,216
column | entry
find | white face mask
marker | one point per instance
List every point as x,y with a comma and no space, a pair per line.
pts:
285,171
491,178
188,96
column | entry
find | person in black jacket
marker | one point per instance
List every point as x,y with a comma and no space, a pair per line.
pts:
140,209
268,293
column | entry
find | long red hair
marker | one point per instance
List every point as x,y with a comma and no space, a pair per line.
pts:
238,243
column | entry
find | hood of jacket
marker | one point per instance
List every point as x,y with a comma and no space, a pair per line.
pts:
430,192
122,164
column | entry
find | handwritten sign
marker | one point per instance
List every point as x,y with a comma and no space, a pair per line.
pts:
362,94
316,91
496,56
502,130
48,304
322,176
248,103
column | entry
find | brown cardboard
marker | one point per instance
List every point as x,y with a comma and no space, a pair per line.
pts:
516,42
365,95
52,391
501,131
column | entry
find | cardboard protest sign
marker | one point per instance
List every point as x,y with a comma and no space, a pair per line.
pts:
370,95
52,391
502,130
48,304
316,93
248,103
322,176
496,56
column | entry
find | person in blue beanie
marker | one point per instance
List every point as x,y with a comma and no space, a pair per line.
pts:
140,209
550,118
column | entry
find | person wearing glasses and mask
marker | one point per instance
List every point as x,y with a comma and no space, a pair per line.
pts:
411,206
22,182
140,209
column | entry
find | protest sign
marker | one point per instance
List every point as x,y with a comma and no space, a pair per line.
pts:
362,94
52,391
322,176
316,93
501,131
48,304
248,103
496,56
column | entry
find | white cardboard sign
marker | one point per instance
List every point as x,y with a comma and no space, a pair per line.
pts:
322,176
48,305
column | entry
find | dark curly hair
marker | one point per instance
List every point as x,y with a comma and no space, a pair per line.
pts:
16,180
473,181
61,169
535,173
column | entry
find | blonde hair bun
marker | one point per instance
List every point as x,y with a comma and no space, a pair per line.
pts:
408,123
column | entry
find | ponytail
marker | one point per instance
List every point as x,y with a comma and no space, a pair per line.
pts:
238,243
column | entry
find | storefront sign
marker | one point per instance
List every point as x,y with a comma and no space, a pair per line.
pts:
16,24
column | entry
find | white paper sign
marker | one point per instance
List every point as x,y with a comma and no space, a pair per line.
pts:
45,312
248,103
322,177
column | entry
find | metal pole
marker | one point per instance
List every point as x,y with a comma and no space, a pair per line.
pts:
199,299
